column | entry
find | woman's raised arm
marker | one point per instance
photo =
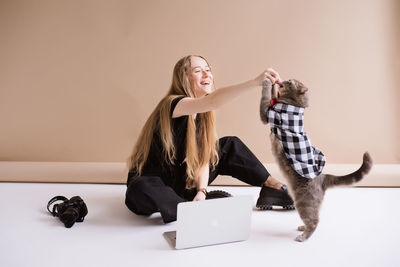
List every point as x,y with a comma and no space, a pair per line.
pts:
214,100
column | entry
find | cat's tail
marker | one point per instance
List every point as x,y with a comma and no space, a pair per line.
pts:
333,180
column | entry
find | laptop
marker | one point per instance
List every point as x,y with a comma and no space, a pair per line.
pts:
211,222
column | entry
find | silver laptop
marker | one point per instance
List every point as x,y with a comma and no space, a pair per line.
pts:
211,222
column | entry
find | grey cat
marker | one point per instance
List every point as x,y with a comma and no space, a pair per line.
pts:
307,182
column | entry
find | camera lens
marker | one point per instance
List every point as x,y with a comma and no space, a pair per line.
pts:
69,217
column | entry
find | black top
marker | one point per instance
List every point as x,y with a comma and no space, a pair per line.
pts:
156,165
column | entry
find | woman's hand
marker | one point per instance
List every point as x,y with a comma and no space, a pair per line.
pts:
199,196
269,74
202,183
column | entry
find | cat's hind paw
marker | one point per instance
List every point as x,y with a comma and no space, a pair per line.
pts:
300,238
301,228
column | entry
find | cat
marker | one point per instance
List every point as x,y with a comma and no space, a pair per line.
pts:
301,163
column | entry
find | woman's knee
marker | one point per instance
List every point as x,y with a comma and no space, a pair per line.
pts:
229,143
229,140
136,197
142,184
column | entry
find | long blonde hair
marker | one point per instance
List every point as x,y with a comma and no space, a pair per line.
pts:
200,149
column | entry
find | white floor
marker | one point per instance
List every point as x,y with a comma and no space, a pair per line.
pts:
358,227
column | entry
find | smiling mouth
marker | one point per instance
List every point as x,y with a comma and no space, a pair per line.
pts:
205,83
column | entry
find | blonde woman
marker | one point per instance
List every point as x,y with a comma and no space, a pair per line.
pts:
177,154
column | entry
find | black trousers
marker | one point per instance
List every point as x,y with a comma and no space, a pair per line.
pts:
146,195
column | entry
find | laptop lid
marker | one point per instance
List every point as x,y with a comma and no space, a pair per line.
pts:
213,221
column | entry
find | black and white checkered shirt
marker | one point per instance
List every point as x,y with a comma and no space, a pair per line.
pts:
286,123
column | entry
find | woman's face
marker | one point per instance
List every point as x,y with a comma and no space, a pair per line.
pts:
200,77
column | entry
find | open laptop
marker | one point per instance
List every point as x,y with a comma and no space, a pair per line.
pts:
211,222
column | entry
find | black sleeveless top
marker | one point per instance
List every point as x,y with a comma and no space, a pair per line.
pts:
173,175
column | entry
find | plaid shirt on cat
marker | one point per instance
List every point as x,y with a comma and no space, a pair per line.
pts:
286,122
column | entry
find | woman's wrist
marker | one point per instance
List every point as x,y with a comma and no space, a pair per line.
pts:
202,190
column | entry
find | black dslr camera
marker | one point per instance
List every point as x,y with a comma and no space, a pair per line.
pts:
69,211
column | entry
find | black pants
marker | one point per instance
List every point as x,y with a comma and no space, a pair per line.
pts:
148,194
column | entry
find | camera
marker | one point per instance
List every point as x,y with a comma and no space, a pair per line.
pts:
69,211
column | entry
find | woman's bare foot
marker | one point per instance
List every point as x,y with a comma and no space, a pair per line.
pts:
273,183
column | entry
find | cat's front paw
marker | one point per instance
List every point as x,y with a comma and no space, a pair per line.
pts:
267,83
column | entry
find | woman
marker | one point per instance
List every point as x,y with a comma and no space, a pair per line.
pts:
177,154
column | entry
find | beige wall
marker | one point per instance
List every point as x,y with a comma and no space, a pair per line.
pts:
79,78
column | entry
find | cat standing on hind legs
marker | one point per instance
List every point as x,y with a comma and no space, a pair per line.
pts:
300,162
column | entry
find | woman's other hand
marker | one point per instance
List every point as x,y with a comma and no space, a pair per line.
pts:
199,196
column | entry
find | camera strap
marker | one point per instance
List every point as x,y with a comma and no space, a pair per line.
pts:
51,201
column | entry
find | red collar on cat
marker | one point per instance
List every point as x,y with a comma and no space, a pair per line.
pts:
274,101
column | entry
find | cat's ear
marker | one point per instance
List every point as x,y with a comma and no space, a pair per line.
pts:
303,90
